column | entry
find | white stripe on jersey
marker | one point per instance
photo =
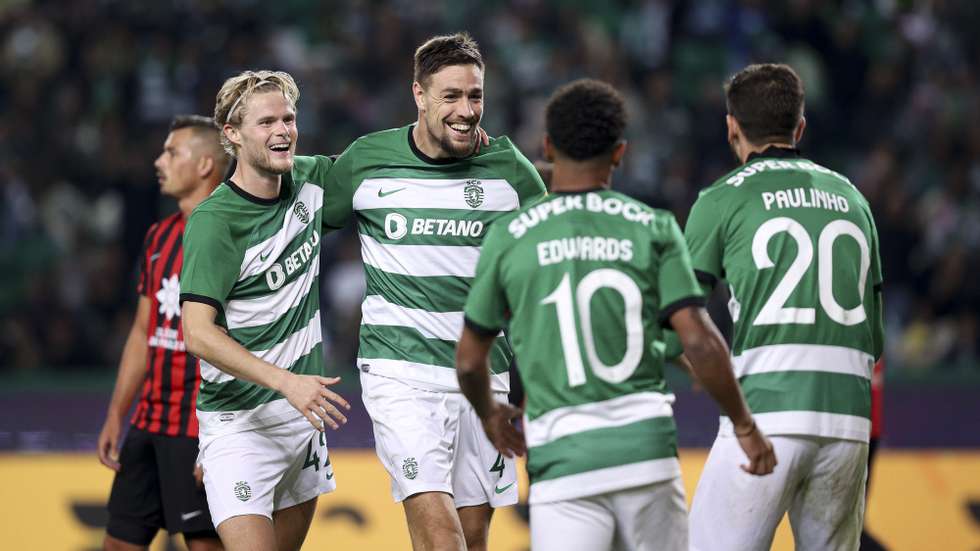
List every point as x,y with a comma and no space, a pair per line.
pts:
270,249
437,378
375,310
601,481
420,193
271,308
282,355
615,412
803,357
420,260
816,423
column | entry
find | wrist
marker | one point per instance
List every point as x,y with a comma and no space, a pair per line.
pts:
280,380
745,428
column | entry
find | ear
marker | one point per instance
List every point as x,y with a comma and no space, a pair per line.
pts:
205,165
232,133
419,94
618,152
734,130
798,134
549,149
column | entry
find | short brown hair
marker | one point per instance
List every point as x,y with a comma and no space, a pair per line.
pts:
585,119
767,101
193,121
443,51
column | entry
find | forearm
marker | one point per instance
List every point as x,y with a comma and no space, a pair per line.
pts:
132,370
473,372
211,344
712,367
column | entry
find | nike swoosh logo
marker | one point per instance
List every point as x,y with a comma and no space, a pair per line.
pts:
504,489
154,257
387,193
330,476
187,516
262,257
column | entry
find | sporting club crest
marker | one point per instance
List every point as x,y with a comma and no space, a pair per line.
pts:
473,193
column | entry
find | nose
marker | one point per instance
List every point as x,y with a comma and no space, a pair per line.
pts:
467,109
282,127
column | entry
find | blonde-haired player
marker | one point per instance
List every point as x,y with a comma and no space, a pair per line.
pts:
250,295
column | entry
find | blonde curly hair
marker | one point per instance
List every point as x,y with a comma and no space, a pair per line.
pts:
232,100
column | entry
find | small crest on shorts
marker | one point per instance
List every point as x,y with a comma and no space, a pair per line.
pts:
410,468
243,491
226,417
302,212
473,193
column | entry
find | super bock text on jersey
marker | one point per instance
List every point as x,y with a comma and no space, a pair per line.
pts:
797,245
584,283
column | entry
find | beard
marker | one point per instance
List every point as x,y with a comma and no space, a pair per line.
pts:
457,150
261,162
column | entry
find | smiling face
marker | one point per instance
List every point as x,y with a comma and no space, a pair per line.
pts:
266,137
450,108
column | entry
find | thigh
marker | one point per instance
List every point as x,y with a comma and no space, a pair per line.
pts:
586,524
292,525
185,508
247,532
433,522
481,474
135,507
310,472
828,512
414,433
738,511
241,472
652,517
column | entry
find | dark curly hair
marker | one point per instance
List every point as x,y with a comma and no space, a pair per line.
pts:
585,119
767,101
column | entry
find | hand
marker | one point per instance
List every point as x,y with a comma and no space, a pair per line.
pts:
309,395
109,443
501,431
758,448
484,138
199,475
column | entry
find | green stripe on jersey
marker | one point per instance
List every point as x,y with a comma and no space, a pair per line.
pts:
237,395
264,337
303,247
808,391
392,342
432,293
585,451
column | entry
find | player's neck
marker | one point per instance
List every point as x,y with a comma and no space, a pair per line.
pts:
751,148
570,176
189,203
255,182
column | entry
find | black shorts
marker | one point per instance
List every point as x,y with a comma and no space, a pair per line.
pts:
155,488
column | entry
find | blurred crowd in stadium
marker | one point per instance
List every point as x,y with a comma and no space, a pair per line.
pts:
90,86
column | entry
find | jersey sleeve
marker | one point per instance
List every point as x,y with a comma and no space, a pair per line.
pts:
211,261
527,181
486,305
143,285
676,283
876,317
338,190
705,241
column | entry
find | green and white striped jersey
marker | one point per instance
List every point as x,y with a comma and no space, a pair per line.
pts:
797,245
257,262
421,223
585,282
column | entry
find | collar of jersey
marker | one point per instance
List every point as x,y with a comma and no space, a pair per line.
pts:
286,181
774,152
422,156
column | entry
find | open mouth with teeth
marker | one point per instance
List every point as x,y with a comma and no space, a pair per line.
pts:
280,147
461,130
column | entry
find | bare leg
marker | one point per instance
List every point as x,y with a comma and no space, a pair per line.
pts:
476,525
248,533
433,522
114,544
203,544
292,524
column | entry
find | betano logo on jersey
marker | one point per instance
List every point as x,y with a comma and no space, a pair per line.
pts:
397,226
277,274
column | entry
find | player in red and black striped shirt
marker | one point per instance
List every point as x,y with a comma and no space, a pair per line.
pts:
155,484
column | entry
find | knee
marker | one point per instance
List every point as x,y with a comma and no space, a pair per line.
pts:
476,540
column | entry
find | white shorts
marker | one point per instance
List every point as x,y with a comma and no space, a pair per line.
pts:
259,471
645,518
434,442
819,481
